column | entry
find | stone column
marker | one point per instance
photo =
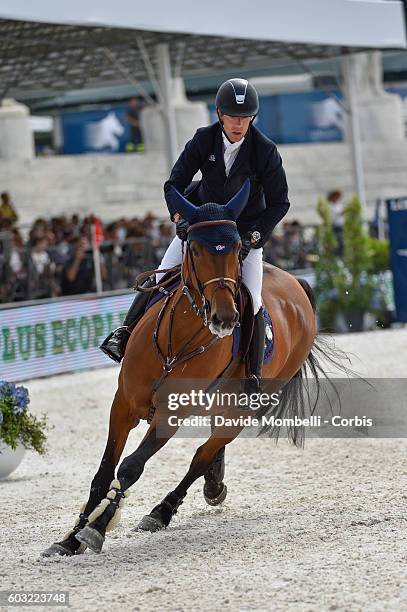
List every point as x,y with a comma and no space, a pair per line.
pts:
380,113
189,116
16,137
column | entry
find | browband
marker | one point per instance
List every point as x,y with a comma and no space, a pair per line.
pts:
208,223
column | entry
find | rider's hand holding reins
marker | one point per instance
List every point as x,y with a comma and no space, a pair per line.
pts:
246,246
182,229
249,240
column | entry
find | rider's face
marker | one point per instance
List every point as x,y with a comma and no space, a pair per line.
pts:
235,127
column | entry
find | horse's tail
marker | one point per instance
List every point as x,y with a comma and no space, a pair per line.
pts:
295,398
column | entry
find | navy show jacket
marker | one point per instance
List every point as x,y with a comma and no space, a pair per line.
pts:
257,159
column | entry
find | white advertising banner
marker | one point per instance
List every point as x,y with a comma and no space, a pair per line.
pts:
59,336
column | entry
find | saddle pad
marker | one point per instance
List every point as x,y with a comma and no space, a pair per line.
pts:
269,340
159,295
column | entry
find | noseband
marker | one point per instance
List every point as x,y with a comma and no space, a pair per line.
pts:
222,281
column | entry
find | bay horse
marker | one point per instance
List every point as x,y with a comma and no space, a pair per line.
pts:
189,336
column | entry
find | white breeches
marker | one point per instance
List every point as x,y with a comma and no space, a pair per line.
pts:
252,271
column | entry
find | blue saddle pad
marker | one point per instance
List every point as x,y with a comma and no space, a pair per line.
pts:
269,341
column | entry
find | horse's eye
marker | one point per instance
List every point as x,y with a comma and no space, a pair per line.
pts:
194,251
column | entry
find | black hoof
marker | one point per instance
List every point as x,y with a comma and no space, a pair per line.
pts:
149,523
91,537
215,501
58,549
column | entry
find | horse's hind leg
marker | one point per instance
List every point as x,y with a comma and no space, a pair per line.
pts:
130,470
161,515
214,489
121,422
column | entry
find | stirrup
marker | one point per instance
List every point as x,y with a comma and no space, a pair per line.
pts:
115,349
252,384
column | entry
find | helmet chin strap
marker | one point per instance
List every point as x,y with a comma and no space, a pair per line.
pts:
223,127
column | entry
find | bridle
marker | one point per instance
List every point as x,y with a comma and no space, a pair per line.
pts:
222,281
169,360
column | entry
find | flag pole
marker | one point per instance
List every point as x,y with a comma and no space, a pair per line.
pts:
96,259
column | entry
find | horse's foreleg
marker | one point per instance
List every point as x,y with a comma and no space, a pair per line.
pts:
204,457
107,515
121,422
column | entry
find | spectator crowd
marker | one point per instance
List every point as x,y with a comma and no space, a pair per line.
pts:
54,256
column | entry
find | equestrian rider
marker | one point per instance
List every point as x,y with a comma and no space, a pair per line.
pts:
227,153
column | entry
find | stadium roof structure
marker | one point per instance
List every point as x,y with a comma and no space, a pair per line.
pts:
46,46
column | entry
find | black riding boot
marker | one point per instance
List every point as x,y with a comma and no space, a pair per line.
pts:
256,355
115,344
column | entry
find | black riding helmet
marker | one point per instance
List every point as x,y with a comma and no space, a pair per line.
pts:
237,98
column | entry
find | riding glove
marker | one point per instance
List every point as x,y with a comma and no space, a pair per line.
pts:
182,229
246,247
249,241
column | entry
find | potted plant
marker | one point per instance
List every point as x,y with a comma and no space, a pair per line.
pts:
19,429
383,300
326,268
354,282
379,251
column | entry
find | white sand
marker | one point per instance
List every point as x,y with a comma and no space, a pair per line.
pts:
320,529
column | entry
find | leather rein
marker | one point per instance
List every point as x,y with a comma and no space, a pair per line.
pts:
170,360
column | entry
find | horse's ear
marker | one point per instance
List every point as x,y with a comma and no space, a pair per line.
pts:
182,205
239,201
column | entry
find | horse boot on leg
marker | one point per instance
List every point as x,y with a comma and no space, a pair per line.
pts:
69,545
161,515
115,343
105,517
121,423
215,490
204,458
256,355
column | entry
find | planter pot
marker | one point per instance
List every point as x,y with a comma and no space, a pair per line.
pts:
349,321
355,320
10,459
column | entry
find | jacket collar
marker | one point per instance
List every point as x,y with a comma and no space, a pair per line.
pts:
231,145
240,157
219,153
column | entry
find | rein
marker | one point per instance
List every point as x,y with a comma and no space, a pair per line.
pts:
169,360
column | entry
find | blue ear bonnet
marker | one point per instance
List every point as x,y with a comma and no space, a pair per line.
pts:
217,239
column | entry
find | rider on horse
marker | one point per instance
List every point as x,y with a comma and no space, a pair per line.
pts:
226,153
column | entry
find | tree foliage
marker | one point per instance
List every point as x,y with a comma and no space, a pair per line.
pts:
353,281
326,267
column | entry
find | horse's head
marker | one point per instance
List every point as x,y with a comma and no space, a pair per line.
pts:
211,264
113,124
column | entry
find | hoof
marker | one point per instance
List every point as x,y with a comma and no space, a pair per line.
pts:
57,549
91,537
215,501
149,523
